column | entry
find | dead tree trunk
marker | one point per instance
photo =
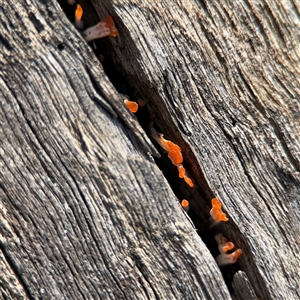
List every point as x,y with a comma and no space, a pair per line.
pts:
85,210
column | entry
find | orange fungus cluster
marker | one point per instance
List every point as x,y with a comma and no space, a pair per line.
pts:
78,17
174,153
131,105
104,28
225,258
216,211
185,205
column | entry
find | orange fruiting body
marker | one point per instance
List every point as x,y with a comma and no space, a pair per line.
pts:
131,105
216,211
188,180
111,26
78,15
104,28
185,205
228,246
176,157
174,153
225,258
181,171
78,12
236,254
168,145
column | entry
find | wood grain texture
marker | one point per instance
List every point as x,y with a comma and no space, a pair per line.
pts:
85,212
242,287
222,78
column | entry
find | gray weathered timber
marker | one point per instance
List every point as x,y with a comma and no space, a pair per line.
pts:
85,213
222,78
242,287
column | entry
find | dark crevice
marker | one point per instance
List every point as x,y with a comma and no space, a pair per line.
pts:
198,196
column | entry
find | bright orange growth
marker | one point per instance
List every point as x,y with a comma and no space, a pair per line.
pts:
225,258
181,170
111,26
168,145
236,254
131,105
176,157
185,204
104,28
78,12
173,149
174,153
231,258
78,15
189,181
228,246
216,211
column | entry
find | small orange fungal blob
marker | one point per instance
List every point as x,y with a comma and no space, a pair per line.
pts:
104,28
168,145
224,246
181,170
78,12
176,157
185,205
216,211
78,16
174,153
111,26
189,181
227,246
131,105
236,254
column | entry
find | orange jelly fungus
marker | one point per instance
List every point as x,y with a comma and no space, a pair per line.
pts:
216,211
131,105
188,180
78,16
185,205
111,26
168,145
176,157
104,28
225,258
236,254
181,171
78,12
174,153
228,246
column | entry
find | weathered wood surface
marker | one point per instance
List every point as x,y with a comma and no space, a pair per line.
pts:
86,213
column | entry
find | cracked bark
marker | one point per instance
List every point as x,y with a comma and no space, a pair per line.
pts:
86,213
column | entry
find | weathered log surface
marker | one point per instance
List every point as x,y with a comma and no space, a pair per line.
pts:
85,211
